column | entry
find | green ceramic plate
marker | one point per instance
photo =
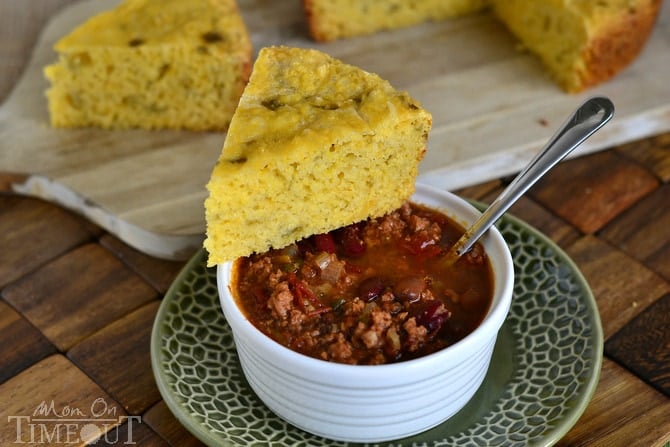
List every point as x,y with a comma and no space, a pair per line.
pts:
544,369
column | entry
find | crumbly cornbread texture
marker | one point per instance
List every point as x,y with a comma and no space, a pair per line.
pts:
151,64
581,43
315,144
334,19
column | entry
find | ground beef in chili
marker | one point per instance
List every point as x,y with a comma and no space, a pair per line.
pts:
374,292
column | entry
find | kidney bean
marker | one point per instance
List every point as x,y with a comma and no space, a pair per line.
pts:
351,241
305,245
371,288
420,245
324,242
433,316
410,288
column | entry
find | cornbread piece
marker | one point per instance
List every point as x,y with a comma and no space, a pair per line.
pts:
581,43
314,145
152,64
335,19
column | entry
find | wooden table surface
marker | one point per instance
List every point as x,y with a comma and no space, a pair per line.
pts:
77,305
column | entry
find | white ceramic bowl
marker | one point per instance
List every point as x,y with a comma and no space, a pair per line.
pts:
374,403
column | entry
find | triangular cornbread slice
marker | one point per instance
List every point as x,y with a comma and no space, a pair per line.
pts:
315,144
152,64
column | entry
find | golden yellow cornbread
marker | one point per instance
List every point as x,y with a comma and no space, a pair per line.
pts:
334,19
315,144
581,43
178,64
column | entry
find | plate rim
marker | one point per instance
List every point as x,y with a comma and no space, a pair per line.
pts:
583,399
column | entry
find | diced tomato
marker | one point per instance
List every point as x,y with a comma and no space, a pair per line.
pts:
304,294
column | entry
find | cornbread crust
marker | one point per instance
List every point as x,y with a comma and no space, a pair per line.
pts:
315,144
334,19
582,43
152,64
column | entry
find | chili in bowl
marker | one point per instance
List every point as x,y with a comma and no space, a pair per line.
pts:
367,334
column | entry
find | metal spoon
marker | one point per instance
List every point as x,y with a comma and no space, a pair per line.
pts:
583,123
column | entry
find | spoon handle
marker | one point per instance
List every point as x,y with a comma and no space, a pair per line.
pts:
587,119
